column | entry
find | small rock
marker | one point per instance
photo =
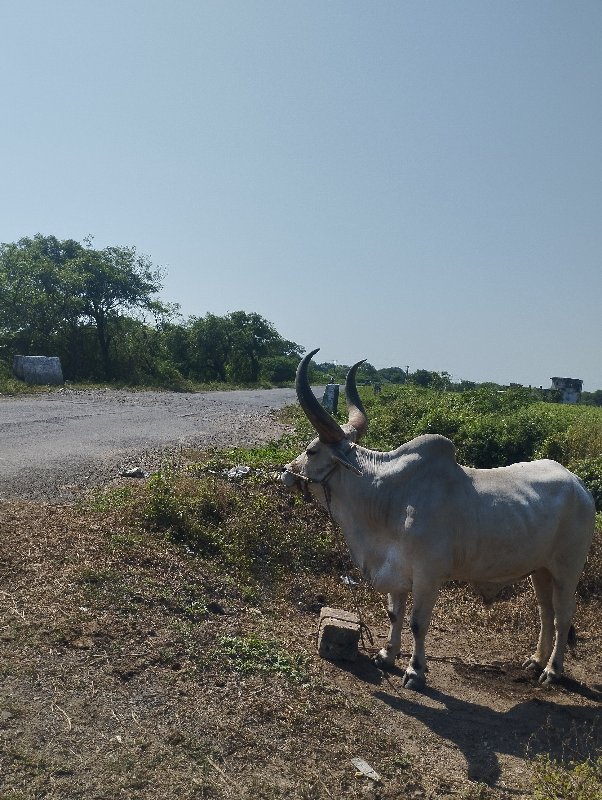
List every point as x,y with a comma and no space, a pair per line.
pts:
133,472
363,768
238,472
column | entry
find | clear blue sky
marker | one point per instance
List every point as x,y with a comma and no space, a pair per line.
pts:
415,183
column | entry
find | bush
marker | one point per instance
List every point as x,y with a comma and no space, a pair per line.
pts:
578,436
490,428
257,528
590,472
278,369
189,511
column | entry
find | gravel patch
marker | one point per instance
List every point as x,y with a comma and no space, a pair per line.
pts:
55,444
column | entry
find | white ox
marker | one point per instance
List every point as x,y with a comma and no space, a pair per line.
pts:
414,518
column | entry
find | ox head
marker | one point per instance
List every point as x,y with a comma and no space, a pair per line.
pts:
335,443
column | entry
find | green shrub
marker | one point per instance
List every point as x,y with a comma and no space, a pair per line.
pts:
590,472
490,428
257,528
189,511
579,438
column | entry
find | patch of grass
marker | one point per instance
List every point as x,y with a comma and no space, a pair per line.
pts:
103,501
270,456
252,654
554,780
190,511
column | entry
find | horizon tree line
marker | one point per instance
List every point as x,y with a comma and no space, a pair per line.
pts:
99,311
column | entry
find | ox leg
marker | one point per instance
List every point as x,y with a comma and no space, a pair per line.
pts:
396,609
424,599
543,586
564,609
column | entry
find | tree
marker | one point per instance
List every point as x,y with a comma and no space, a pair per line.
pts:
392,374
240,347
109,283
209,347
432,380
36,305
592,398
252,340
279,369
53,294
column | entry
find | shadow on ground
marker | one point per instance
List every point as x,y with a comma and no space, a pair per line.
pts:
535,726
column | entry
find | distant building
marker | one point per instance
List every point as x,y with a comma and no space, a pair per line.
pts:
570,389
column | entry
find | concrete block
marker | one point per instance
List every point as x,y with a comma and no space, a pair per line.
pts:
330,398
338,634
38,370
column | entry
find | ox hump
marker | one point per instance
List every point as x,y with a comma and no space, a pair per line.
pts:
431,445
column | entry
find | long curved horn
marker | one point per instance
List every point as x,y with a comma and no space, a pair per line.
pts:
357,415
327,428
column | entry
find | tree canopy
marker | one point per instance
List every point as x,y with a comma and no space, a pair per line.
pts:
99,311
68,299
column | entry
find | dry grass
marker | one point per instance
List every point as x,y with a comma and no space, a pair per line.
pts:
134,667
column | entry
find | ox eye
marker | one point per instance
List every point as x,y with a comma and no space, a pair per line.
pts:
311,451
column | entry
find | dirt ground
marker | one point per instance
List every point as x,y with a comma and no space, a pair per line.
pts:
132,669
120,679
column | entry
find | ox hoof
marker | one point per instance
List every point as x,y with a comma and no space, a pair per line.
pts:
548,678
533,666
414,682
383,660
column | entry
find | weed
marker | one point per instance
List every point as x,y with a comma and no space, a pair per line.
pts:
190,511
249,654
554,780
102,500
477,791
257,530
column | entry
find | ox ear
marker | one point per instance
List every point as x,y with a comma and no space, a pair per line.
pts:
341,455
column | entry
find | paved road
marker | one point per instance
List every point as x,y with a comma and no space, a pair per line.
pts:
53,444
